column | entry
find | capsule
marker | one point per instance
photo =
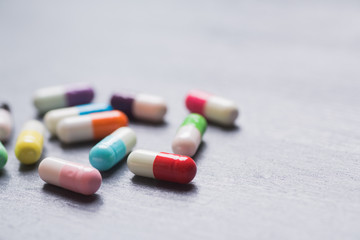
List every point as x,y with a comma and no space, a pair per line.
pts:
29,144
53,117
5,122
69,175
216,109
189,135
3,156
46,99
141,106
112,149
93,126
162,166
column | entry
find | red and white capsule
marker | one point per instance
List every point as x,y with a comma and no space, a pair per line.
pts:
214,108
162,166
69,175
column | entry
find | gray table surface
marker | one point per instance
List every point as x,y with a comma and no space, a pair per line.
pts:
289,170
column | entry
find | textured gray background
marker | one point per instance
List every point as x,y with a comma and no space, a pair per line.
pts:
290,170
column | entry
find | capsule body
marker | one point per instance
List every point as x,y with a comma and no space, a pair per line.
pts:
49,98
3,156
69,175
5,122
53,117
112,148
189,135
216,109
90,127
162,166
29,144
141,106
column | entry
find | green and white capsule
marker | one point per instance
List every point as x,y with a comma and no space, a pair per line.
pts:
3,156
189,135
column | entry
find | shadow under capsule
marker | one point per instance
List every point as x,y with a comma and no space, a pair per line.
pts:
4,174
200,152
70,195
82,144
232,128
115,170
39,116
79,145
163,185
53,138
6,143
29,167
136,122
4,178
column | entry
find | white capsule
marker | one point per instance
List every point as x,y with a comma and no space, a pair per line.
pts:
5,124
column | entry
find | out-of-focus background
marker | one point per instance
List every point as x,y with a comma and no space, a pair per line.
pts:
289,170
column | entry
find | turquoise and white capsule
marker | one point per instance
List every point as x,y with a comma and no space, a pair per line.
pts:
112,149
188,137
53,117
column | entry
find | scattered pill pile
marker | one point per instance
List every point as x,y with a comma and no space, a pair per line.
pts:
71,117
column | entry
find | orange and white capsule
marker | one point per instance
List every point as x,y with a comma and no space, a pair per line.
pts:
69,175
93,126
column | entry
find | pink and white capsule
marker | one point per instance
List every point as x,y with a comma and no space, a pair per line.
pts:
214,108
72,176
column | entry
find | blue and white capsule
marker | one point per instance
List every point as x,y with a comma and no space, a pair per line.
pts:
112,149
53,117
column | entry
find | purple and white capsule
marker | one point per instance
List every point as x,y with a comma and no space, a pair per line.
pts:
46,99
140,106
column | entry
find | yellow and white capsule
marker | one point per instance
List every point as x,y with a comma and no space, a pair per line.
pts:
29,144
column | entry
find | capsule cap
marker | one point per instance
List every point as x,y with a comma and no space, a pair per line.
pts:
105,123
123,103
197,120
106,154
79,94
196,100
180,169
